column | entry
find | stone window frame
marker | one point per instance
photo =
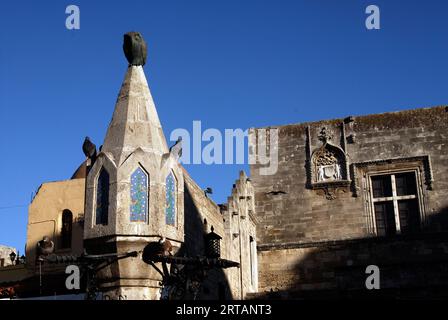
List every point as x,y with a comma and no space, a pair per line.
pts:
362,172
394,198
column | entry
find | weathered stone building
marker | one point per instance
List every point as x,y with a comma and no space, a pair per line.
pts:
359,191
348,193
55,204
131,193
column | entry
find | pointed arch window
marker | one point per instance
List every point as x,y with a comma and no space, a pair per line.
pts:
66,229
170,209
102,198
139,196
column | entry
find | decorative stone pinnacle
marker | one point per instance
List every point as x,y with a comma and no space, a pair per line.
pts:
325,135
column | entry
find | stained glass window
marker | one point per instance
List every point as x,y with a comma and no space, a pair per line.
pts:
139,195
170,210
102,198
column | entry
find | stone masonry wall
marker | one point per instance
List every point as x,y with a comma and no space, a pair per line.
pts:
415,265
240,239
197,208
235,223
307,212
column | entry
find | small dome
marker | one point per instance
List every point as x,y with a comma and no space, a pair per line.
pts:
80,173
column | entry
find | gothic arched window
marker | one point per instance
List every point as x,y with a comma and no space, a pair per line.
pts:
139,195
170,209
66,229
102,198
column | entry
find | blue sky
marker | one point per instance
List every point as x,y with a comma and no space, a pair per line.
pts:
229,64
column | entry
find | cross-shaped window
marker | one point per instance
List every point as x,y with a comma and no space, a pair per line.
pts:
395,203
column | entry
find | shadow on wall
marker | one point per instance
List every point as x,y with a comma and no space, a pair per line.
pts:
215,285
411,266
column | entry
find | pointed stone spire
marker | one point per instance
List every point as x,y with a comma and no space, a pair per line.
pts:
135,122
132,168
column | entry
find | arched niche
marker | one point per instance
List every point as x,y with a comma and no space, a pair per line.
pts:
328,164
66,229
102,197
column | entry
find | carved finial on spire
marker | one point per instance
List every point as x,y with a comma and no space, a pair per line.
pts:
134,47
325,135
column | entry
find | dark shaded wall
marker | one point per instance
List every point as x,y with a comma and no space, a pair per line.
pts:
197,208
309,233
